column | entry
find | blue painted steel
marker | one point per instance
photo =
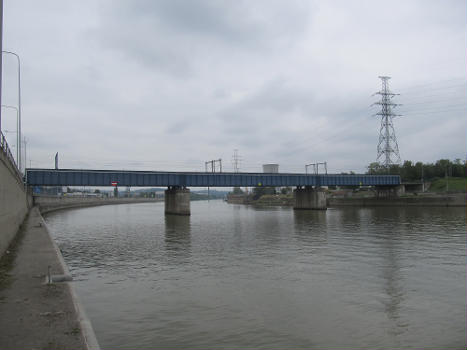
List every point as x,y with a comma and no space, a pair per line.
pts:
71,177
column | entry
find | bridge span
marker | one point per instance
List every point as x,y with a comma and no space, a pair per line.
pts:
308,194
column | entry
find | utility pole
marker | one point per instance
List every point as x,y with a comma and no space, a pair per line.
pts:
316,167
25,154
387,150
18,60
446,176
423,181
1,49
213,163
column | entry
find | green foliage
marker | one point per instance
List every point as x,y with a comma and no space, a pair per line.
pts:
415,172
286,190
457,184
237,190
261,191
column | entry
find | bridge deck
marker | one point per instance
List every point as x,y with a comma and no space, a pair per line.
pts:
74,177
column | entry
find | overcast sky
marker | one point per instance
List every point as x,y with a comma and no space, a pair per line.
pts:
170,84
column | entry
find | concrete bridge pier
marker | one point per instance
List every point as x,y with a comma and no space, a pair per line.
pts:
389,191
177,200
310,198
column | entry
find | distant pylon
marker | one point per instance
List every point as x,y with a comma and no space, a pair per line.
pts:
388,150
236,159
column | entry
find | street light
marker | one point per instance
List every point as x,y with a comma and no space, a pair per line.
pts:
25,148
17,133
19,103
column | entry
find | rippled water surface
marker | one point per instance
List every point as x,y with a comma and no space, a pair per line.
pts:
232,276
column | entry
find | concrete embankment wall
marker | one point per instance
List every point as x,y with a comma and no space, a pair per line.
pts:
34,313
451,200
14,202
51,203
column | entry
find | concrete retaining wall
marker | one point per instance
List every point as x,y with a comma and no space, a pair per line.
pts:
452,200
51,203
14,202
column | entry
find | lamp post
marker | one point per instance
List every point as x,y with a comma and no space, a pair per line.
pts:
25,148
19,103
17,133
1,49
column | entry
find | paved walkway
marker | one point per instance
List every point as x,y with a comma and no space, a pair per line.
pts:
34,314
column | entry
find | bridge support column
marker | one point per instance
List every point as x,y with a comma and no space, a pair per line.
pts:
177,200
389,191
310,198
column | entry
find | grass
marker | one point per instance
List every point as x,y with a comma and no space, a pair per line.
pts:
456,184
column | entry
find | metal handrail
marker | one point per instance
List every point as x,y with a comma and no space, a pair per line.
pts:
6,150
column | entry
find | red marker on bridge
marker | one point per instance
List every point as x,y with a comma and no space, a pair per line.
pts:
114,184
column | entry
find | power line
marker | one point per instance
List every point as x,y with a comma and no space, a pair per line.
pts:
420,86
437,111
451,87
437,101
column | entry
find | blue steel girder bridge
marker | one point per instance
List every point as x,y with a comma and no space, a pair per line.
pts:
73,177
177,194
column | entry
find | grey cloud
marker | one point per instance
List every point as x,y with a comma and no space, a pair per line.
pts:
228,21
288,82
173,34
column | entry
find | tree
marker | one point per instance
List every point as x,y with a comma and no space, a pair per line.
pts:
286,190
237,190
260,191
375,168
413,172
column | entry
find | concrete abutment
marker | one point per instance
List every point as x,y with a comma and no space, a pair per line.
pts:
177,201
389,191
310,198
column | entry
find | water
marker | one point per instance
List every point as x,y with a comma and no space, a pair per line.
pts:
232,276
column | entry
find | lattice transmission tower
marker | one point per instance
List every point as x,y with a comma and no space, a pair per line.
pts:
388,150
236,159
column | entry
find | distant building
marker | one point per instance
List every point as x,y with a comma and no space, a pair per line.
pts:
271,168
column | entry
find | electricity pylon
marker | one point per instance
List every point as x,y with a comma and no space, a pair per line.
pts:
388,150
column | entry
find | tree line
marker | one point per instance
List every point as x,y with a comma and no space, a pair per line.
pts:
410,171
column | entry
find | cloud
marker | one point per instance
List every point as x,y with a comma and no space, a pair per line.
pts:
174,35
169,84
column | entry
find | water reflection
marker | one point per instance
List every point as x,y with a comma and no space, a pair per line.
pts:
177,236
303,218
393,281
310,226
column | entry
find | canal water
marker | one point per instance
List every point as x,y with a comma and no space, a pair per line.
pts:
234,276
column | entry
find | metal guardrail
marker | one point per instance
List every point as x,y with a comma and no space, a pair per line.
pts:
5,149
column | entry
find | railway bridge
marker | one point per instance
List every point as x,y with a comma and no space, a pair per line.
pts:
308,193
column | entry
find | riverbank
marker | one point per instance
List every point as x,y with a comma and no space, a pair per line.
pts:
47,204
425,200
35,314
359,200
